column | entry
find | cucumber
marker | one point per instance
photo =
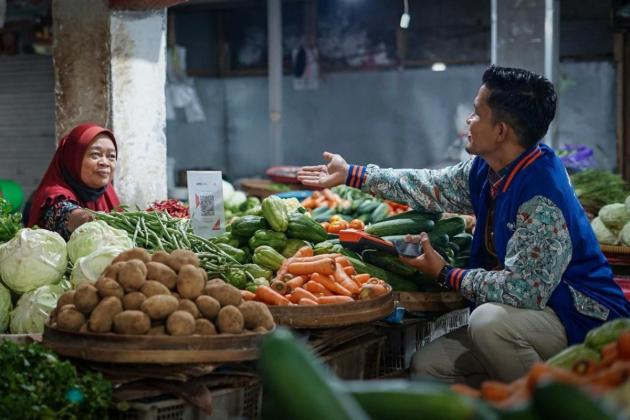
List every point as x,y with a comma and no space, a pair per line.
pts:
388,262
439,239
451,226
558,401
397,282
454,247
401,400
416,215
463,240
367,206
400,227
298,386
380,212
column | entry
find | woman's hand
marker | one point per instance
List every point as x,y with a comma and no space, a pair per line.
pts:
325,176
77,218
430,262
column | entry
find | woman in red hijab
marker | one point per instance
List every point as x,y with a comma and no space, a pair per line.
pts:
79,177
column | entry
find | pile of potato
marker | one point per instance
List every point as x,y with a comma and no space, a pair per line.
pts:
159,294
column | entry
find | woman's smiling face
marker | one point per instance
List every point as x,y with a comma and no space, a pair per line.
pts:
99,162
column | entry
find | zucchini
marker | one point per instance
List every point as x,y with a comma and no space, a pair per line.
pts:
416,215
380,212
367,206
399,399
451,226
397,282
297,386
399,227
387,262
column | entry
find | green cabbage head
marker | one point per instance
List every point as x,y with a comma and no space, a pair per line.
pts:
33,258
602,233
624,235
90,267
5,308
90,236
614,216
32,310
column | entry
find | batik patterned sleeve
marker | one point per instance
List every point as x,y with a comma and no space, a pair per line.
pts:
537,255
429,190
55,216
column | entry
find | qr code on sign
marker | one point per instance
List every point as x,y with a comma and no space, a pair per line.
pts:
206,205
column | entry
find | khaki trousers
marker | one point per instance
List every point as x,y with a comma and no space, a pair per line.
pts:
500,342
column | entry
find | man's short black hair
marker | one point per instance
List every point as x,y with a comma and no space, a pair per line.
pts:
524,100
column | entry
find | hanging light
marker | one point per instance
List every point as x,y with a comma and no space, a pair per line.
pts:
406,17
438,66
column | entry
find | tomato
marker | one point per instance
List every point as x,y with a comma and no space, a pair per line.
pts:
357,224
325,225
335,218
336,227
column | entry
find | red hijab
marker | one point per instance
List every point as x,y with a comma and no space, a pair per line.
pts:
63,177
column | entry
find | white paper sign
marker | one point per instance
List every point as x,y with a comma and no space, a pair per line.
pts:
205,199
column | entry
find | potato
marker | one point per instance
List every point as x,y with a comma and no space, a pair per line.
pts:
133,300
157,330
133,254
70,318
132,275
66,299
161,257
176,295
230,320
152,288
190,282
86,298
132,322
204,327
256,314
180,323
104,313
260,329
215,280
161,272
109,287
181,257
208,306
112,270
159,306
204,273
84,328
189,306
225,293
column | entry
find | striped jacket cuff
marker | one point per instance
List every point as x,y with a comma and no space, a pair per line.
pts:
454,277
356,176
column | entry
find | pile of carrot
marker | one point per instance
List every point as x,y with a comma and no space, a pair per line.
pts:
396,208
307,279
324,198
596,378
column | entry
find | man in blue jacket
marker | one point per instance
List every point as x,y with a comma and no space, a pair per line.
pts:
536,274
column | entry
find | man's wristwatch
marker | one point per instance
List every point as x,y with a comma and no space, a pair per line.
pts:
442,276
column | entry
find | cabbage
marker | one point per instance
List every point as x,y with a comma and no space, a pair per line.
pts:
33,308
90,267
624,235
5,308
228,190
628,203
236,199
614,216
88,237
602,233
33,258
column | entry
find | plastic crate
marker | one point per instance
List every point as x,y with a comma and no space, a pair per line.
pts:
231,403
358,360
403,340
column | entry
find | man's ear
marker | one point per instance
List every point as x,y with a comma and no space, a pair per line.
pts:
502,130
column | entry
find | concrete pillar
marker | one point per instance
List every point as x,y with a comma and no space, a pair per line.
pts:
274,47
110,69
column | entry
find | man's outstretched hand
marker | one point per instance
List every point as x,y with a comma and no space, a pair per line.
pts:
325,176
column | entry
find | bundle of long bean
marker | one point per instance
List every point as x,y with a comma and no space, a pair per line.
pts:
156,230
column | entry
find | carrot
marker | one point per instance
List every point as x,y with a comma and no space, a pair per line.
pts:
519,394
612,377
466,390
361,278
350,271
308,202
300,293
316,288
330,284
305,251
279,286
325,266
295,282
342,278
623,346
327,300
269,296
329,194
247,295
541,371
370,291
305,301
494,391
282,271
343,261
312,258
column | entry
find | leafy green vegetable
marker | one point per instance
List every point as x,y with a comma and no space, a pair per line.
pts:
10,222
37,385
5,307
90,267
595,188
614,216
91,236
33,308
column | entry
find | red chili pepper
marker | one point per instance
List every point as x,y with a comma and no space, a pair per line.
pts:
175,208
